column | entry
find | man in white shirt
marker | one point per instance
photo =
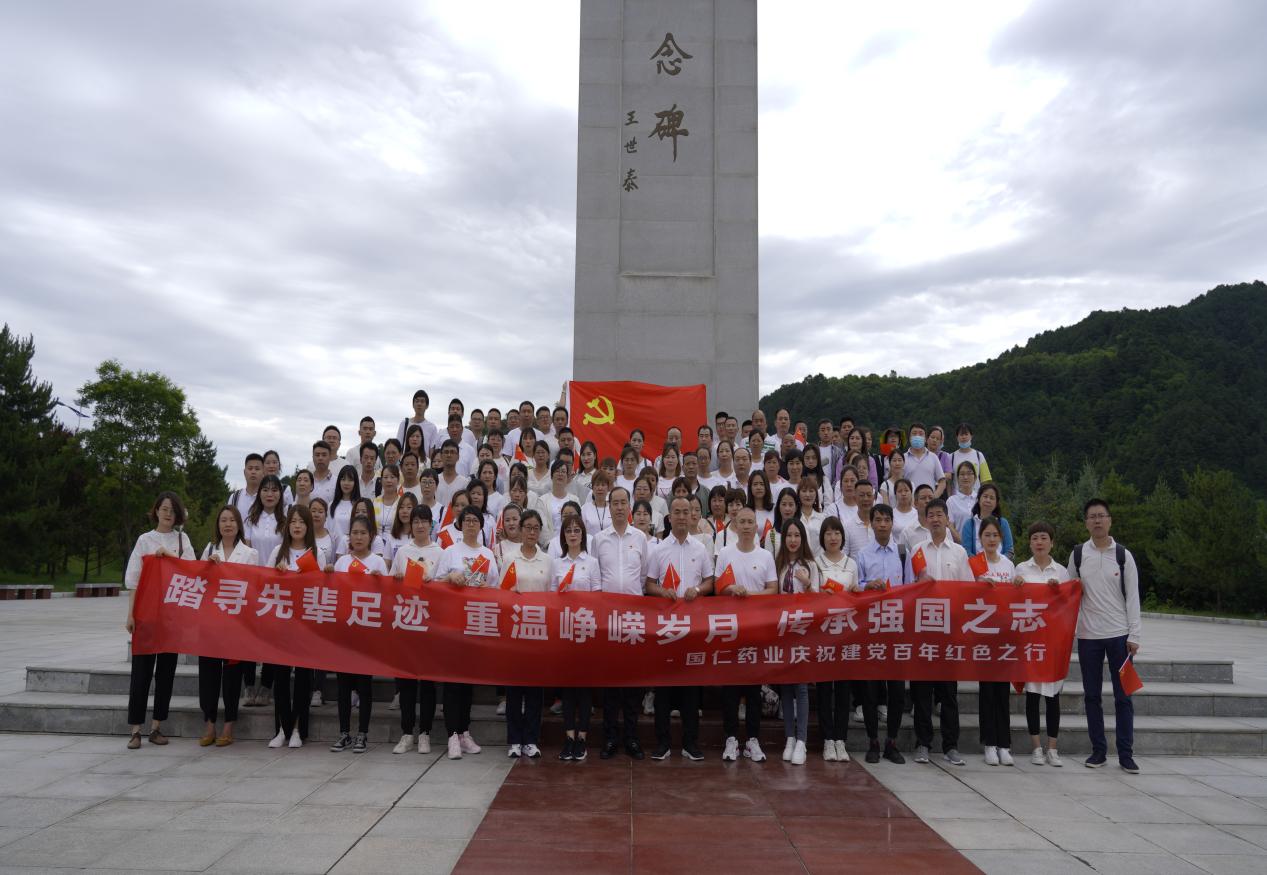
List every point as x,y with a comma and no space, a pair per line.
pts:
365,434
768,441
450,481
253,472
367,479
465,464
879,567
333,439
1108,627
525,421
782,429
421,401
680,567
465,437
755,574
621,552
323,478
938,558
922,466
829,453
858,524
915,535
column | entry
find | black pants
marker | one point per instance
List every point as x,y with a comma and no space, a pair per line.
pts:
730,696
620,713
948,695
1053,714
219,678
996,724
833,709
686,700
266,675
457,708
577,707
160,668
292,712
363,684
523,714
416,694
893,694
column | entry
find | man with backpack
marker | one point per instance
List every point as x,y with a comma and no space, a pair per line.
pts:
1108,626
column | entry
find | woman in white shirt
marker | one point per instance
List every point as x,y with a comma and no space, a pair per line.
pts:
488,474
589,466
827,490
477,497
359,559
397,531
812,515
291,712
531,570
837,573
415,441
385,503
670,469
896,471
166,539
558,496
222,678
642,521
960,503
576,571
347,489
595,513
327,543
793,469
772,466
726,473
265,525
846,501
762,504
797,573
638,441
644,491
993,709
416,693
303,486
539,475
508,534
629,468
786,508
905,515
1041,568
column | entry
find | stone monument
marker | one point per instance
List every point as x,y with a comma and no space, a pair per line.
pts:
666,200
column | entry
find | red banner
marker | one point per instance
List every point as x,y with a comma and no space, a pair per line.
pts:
606,412
369,624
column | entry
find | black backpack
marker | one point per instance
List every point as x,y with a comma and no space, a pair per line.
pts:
1121,564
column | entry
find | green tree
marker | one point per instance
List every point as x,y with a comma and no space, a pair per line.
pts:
206,489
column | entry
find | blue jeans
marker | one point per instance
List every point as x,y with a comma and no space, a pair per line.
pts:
1091,655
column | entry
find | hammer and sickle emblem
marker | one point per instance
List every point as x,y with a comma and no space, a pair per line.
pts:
601,406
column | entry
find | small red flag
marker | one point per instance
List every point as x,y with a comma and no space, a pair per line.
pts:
978,564
413,574
765,530
800,434
671,579
519,454
358,567
719,524
446,519
725,580
480,565
567,578
445,539
307,562
918,562
833,585
511,577
885,449
1131,683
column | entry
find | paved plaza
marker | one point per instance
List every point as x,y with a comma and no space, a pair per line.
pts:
71,802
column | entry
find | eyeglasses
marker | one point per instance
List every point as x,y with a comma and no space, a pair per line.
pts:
531,527
1097,516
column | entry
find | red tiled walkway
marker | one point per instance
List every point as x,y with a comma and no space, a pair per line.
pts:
678,816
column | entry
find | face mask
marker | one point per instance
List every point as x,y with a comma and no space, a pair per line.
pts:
964,445
917,442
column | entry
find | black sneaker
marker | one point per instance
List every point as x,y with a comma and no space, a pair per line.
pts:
1096,760
692,753
661,753
873,752
609,750
579,753
634,749
1128,765
892,754
361,744
566,753
344,742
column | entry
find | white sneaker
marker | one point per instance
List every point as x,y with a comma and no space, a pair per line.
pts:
424,742
468,744
842,755
501,708
991,756
1005,757
405,744
455,747
731,752
829,751
798,753
279,740
515,751
531,751
1053,758
317,701
921,754
648,703
1037,758
788,748
295,740
395,705
752,750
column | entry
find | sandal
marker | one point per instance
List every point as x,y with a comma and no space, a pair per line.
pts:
224,741
208,738
156,737
135,741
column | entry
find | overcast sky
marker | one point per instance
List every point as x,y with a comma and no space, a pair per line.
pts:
301,212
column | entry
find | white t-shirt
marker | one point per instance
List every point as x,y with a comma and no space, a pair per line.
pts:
595,518
813,524
531,575
460,557
429,556
445,489
921,470
960,508
691,559
1000,570
373,563
264,535
174,542
903,520
753,569
292,564
844,572
586,578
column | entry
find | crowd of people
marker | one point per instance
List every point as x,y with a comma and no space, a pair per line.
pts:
490,494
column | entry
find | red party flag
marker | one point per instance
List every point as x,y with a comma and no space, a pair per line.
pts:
978,564
833,585
1131,683
725,580
358,567
479,565
307,561
446,519
445,540
918,562
800,434
413,574
605,412
671,579
567,578
765,530
885,449
719,524
511,577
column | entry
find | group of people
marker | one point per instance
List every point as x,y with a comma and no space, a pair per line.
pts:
489,495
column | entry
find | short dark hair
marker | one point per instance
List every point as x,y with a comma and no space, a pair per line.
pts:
253,457
365,419
422,393
935,504
454,417
321,445
1042,527
333,428
178,507
1095,502
882,509
368,445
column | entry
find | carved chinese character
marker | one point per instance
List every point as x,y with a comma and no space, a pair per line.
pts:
631,118
669,124
669,57
631,146
631,181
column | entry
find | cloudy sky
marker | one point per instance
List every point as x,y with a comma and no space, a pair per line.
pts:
301,212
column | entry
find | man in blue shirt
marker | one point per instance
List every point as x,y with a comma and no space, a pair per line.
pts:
880,566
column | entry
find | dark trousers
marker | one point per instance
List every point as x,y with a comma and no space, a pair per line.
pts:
292,712
416,694
161,669
577,707
266,675
833,709
457,708
1091,655
363,684
1053,714
686,700
523,714
992,709
618,703
948,695
893,694
730,696
219,678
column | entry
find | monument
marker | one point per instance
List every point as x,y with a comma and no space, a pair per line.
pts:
666,200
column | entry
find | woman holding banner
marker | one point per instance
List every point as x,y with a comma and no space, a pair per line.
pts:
223,677
529,570
360,559
838,573
297,552
576,572
420,550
